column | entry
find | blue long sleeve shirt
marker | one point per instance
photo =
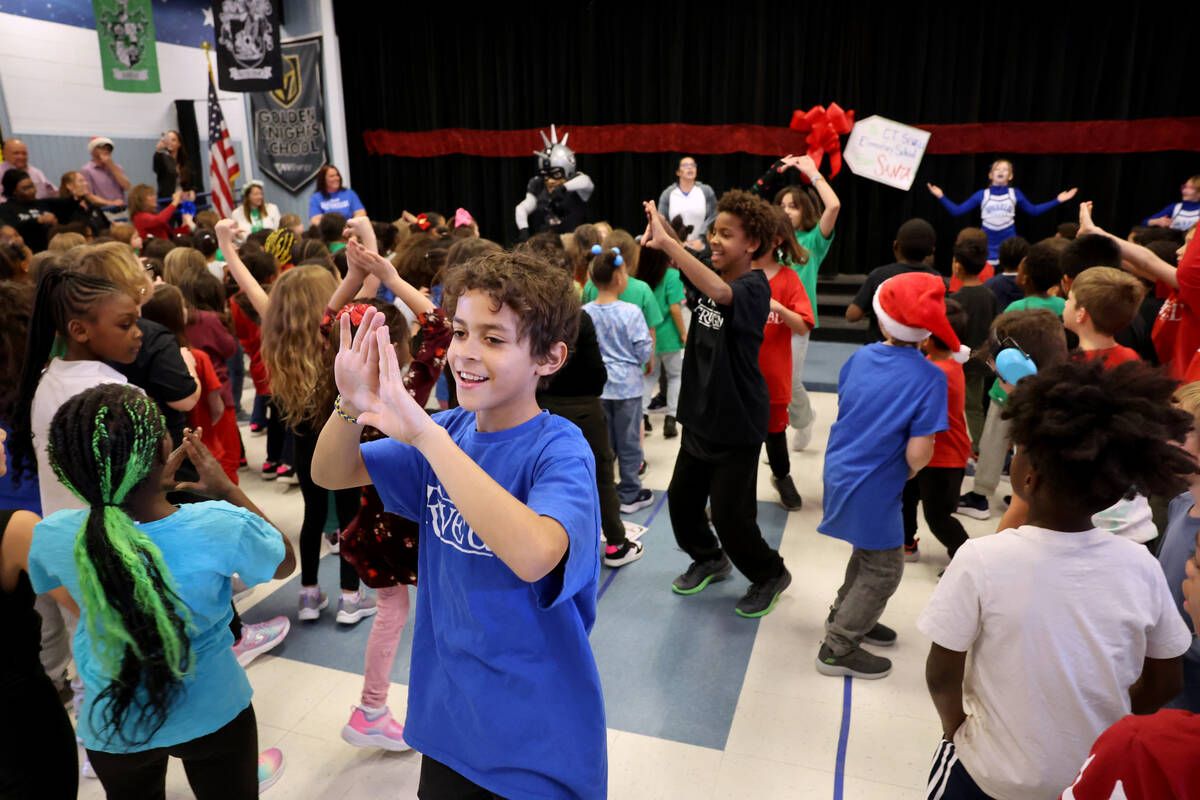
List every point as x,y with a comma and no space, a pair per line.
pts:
998,207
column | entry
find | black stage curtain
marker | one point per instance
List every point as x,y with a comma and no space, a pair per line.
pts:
753,62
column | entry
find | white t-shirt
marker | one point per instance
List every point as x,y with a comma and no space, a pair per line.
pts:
61,381
692,207
1056,627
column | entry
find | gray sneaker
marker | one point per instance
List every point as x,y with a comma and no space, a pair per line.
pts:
360,607
311,605
858,663
701,574
761,597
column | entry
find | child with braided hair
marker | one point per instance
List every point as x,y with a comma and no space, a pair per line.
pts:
153,583
1069,628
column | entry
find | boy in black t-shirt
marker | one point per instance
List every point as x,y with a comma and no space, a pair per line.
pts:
914,244
723,406
981,305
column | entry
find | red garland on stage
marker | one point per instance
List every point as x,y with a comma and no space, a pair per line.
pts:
823,127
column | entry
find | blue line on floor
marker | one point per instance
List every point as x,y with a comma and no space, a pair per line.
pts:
613,573
839,772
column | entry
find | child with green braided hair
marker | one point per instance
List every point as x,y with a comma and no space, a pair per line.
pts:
152,580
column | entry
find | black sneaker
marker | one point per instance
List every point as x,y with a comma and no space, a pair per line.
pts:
858,663
646,423
880,635
644,498
669,429
701,574
627,553
789,498
761,597
973,504
658,402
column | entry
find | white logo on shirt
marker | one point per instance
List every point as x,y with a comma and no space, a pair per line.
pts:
774,318
449,526
709,317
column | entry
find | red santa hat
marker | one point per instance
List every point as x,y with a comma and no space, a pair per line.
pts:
911,306
97,141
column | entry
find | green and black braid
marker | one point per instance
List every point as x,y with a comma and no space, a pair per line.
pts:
103,445
61,297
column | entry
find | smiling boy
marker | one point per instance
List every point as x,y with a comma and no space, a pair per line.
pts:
504,694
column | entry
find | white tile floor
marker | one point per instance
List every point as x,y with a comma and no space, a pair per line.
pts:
784,738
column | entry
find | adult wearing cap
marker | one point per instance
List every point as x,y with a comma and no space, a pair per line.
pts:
255,213
106,179
16,156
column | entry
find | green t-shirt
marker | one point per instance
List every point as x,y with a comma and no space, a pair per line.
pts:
1055,304
817,247
637,292
668,292
336,247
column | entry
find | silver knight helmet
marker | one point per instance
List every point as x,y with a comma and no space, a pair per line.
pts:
556,160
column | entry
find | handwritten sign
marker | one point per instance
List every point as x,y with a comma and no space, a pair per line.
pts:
885,151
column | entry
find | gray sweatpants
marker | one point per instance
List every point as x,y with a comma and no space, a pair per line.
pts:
993,448
872,577
800,410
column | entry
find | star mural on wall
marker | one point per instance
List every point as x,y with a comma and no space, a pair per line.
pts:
208,17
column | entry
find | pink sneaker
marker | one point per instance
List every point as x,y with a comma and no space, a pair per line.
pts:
382,732
259,638
270,767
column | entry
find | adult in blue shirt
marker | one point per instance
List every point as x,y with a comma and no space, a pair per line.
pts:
331,195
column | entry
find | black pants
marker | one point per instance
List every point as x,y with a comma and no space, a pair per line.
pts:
222,765
316,509
588,415
277,434
777,454
439,782
38,757
937,488
728,478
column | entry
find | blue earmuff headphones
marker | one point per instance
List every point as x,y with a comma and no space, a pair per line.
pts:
597,250
1012,363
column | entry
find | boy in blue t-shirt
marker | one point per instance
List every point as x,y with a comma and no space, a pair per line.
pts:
504,695
891,403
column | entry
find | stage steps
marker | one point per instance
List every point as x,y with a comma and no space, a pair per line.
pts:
834,294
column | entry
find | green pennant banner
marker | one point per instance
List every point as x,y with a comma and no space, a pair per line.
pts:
128,56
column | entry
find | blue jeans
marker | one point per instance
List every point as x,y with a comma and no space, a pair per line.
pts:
624,431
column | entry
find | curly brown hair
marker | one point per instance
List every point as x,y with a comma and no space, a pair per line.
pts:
541,294
1097,434
756,217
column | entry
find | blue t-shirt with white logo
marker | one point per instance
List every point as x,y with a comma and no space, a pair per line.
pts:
503,687
343,201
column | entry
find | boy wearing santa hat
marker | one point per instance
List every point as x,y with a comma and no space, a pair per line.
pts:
891,404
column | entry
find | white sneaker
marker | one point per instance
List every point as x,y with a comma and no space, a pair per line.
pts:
802,437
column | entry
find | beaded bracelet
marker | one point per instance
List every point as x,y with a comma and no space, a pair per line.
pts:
337,408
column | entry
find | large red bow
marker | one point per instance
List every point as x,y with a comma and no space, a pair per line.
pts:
824,126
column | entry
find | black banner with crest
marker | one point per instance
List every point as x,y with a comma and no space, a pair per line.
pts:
289,123
248,53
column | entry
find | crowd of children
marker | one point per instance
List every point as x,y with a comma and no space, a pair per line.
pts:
123,362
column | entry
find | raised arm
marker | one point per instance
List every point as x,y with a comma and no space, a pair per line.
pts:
1034,209
829,198
956,209
582,185
703,278
226,230
1141,261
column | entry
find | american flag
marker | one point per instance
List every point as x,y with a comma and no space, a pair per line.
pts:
222,162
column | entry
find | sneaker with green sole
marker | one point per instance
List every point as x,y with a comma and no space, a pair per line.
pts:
701,574
761,597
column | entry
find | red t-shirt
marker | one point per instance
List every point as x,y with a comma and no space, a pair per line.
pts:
984,274
775,355
1176,332
199,417
250,335
952,447
1111,356
1147,757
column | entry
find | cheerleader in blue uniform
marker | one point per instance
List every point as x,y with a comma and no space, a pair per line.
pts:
998,205
1184,214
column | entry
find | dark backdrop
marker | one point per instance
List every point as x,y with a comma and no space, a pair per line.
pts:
754,62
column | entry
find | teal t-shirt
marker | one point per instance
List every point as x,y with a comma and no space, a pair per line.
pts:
817,247
202,545
1055,304
668,292
637,292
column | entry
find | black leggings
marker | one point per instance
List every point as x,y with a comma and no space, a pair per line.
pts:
439,782
777,454
222,765
316,509
937,488
38,757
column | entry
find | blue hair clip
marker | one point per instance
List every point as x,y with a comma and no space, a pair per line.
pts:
619,260
597,249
